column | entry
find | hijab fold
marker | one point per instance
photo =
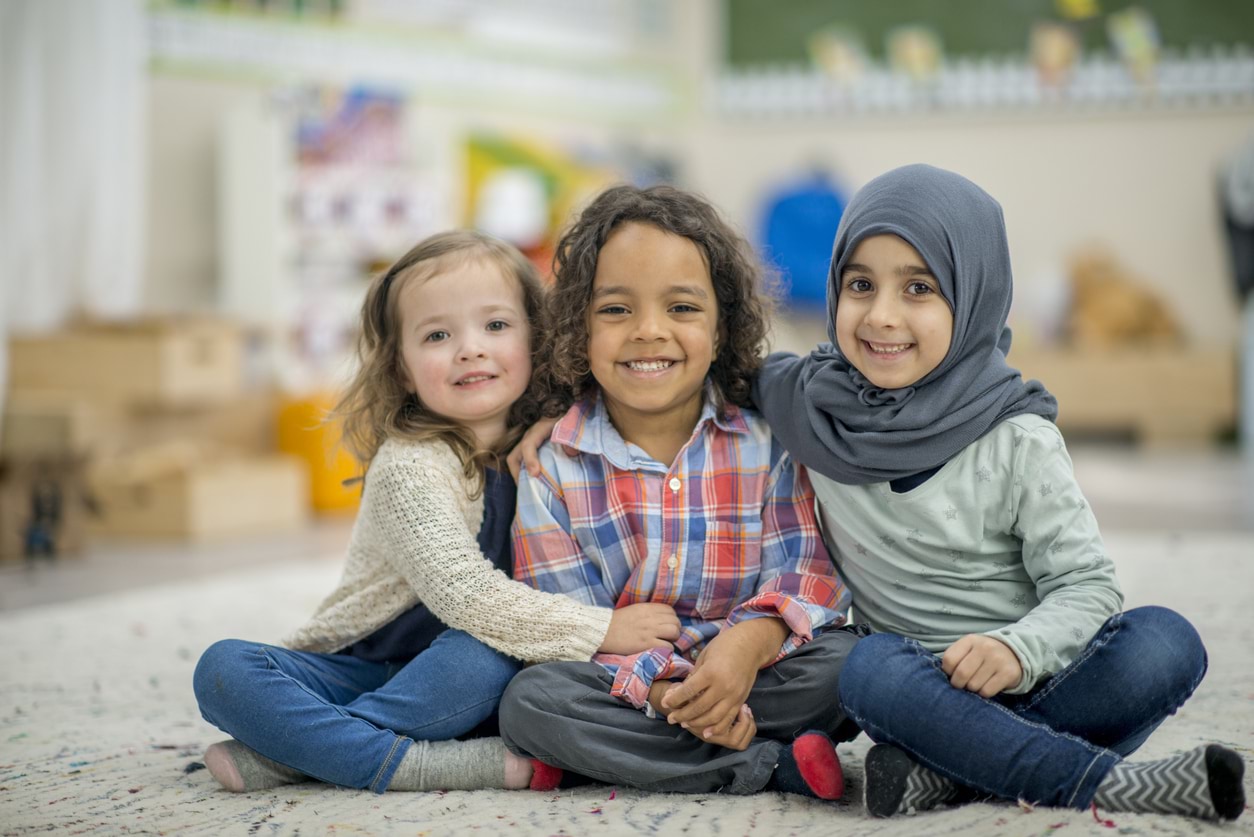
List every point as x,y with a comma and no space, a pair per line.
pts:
836,422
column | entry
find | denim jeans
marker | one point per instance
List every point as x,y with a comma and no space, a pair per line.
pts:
1051,746
344,720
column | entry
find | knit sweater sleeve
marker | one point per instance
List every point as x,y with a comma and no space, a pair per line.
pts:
413,506
1064,555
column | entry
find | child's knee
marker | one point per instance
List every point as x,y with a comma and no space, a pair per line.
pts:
1168,637
211,680
874,670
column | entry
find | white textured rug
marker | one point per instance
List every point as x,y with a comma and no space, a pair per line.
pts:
99,729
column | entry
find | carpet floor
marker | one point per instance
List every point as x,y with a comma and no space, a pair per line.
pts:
99,731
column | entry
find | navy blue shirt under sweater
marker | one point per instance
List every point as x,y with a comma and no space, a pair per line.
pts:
402,639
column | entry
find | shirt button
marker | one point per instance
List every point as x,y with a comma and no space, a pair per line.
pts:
672,562
674,483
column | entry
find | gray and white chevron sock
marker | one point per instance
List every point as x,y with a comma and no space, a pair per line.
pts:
897,784
1204,782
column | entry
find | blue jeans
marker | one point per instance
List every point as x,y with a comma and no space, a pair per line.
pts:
344,720
1051,746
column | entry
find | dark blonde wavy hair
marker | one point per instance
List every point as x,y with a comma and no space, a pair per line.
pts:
376,404
743,289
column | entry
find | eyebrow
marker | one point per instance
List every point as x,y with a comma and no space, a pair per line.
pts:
625,290
904,270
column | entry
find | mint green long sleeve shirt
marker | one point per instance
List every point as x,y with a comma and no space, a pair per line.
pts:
1000,542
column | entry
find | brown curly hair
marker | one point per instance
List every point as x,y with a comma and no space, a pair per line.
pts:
376,404
743,289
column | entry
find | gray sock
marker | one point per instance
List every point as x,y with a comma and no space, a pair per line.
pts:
451,765
239,769
897,784
1204,782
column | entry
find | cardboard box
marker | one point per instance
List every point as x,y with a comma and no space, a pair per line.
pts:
166,362
200,499
43,509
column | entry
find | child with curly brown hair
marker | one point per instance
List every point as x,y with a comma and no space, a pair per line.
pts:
660,485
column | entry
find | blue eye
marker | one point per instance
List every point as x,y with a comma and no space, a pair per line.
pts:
436,336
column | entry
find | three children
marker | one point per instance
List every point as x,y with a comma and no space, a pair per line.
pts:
699,640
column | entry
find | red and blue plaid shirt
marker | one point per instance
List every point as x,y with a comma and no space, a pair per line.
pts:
726,533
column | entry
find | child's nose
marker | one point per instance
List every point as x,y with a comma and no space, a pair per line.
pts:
884,312
471,349
650,326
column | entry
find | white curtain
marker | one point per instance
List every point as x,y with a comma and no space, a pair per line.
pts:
72,128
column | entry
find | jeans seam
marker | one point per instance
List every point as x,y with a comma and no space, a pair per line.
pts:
450,716
378,776
270,661
1080,784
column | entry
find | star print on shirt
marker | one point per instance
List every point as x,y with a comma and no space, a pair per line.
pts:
1020,599
914,535
1045,490
901,587
1055,548
1077,634
861,549
951,513
984,474
888,541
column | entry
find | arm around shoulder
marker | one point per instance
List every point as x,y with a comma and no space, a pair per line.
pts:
416,509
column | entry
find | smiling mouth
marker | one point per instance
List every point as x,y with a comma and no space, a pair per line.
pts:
649,365
474,379
886,349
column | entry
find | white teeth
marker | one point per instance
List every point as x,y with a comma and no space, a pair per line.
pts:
894,349
649,365
474,379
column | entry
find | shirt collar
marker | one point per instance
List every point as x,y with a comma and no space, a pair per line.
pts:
587,428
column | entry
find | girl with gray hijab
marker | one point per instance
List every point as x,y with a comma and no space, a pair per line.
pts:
1000,663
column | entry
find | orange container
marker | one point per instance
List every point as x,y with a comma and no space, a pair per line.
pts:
304,432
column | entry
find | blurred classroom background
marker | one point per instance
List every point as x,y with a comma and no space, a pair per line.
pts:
196,193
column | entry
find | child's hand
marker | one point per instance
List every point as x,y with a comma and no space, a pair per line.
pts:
734,735
738,736
708,703
528,447
981,664
639,627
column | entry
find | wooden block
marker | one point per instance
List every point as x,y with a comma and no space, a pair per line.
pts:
1165,397
42,426
206,500
164,362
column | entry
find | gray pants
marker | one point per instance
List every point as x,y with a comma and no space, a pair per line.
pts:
564,715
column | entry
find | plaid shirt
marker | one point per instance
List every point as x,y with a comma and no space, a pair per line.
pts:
727,533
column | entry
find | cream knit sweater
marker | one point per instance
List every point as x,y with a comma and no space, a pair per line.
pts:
415,540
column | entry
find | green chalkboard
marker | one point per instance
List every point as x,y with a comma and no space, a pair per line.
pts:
776,31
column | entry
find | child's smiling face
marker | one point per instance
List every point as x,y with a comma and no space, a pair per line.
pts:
652,326
892,323
466,345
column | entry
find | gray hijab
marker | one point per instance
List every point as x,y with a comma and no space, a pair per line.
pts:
832,419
